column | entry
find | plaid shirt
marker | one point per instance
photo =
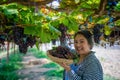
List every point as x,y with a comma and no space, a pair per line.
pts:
89,69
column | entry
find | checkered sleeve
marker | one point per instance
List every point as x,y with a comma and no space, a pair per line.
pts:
91,70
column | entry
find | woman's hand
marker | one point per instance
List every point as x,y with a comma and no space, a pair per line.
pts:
65,66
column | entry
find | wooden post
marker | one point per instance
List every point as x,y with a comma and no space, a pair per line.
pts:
8,51
14,47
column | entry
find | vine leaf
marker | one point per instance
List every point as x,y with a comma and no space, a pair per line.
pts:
30,30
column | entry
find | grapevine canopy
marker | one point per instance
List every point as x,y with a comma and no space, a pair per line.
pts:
42,18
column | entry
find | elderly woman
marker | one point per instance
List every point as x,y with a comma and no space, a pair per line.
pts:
88,67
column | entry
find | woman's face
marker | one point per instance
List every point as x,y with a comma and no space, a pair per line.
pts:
81,44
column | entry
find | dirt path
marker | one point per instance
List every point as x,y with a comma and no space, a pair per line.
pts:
33,69
109,58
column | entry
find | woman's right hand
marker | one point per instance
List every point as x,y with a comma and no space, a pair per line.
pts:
65,66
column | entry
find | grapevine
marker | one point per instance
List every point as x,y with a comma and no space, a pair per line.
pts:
63,30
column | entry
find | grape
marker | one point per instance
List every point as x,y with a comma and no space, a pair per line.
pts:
31,40
62,52
23,48
23,40
97,33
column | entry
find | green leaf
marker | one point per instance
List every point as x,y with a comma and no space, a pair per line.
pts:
44,36
117,23
55,33
10,11
65,21
37,45
117,8
12,6
73,25
54,23
30,30
48,18
107,30
53,29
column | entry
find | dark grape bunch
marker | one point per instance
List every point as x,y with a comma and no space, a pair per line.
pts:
23,40
62,52
16,35
97,32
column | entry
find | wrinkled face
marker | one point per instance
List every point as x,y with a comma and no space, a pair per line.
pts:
81,44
